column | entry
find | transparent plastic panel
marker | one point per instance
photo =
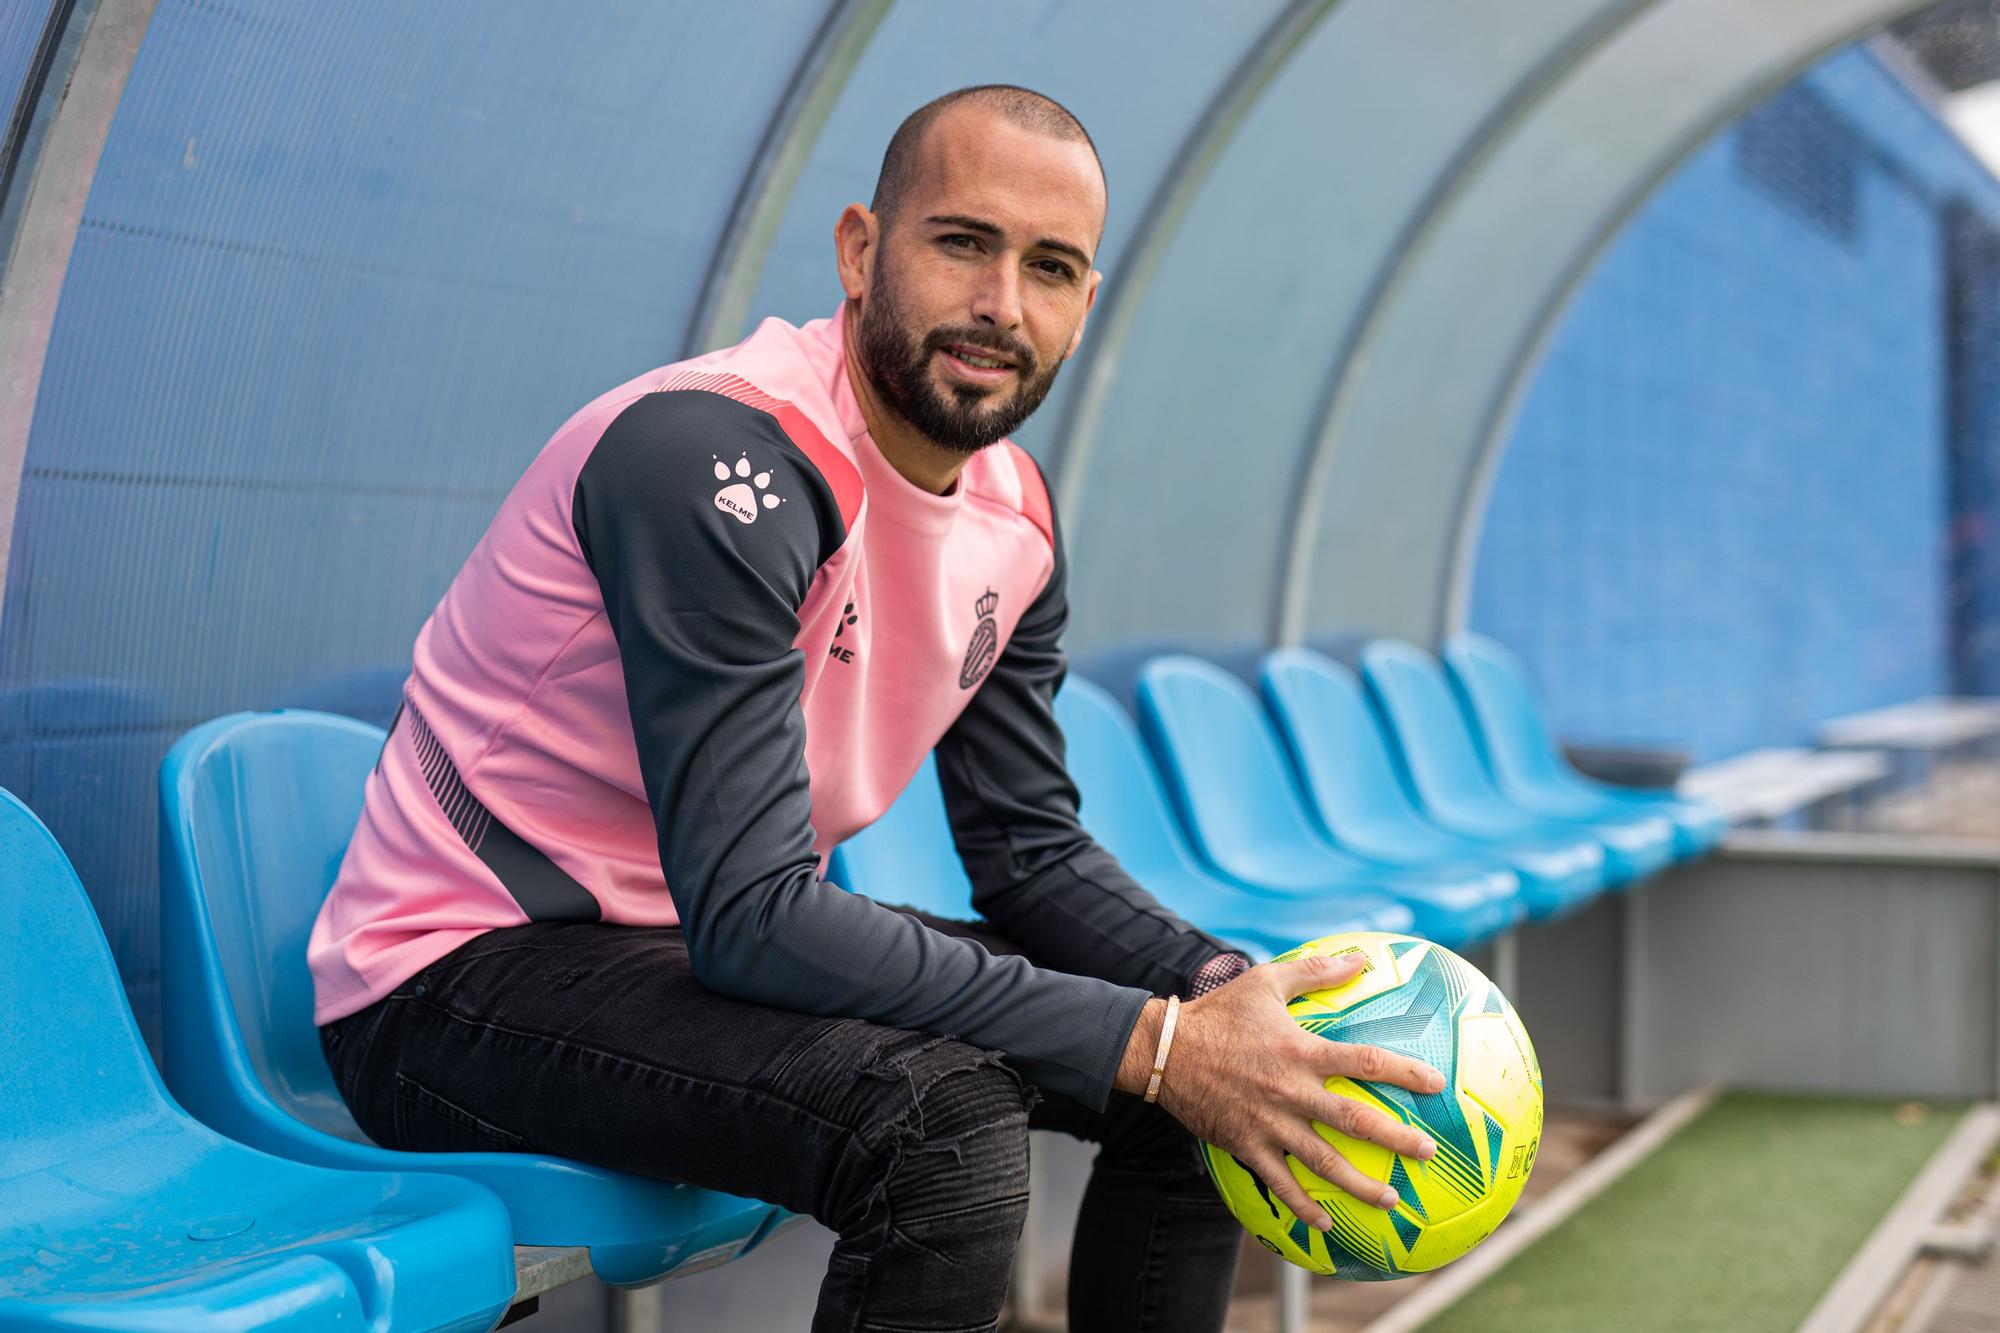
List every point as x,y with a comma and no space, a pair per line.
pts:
1188,490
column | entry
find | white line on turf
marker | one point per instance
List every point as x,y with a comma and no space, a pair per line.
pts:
1885,1256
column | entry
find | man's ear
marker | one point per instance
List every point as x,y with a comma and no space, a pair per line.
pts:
1089,300
855,239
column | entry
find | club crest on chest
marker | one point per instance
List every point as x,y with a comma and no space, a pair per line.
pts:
985,645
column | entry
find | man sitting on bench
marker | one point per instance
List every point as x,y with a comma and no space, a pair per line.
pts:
710,634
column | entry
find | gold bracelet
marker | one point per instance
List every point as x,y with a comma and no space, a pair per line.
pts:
1166,1041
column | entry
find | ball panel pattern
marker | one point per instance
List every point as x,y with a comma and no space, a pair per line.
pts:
1417,999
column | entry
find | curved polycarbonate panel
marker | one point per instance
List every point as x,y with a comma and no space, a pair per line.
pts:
1199,447
723,311
22,26
1436,370
1138,78
1721,514
342,271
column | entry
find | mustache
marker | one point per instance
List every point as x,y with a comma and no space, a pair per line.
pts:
986,340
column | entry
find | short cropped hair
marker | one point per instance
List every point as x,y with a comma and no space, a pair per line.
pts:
1022,106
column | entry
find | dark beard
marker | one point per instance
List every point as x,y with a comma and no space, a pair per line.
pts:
900,372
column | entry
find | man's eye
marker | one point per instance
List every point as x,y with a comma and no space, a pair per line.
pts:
957,241
1057,269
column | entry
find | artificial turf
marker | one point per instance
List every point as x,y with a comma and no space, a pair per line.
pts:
1741,1221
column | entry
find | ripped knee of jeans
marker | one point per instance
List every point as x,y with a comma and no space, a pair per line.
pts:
950,1133
941,1090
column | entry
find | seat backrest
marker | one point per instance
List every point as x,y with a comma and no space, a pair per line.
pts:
256,810
1224,766
73,1068
1493,690
1409,688
1124,804
1342,755
907,858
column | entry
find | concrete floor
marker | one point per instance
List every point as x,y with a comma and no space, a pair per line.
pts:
1961,800
1946,1294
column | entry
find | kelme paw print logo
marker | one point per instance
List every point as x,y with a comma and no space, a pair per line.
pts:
738,498
844,652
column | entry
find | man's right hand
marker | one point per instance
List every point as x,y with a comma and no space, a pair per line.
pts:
1245,1077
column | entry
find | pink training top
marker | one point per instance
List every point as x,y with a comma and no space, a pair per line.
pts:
718,550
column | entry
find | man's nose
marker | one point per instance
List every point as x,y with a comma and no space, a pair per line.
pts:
997,301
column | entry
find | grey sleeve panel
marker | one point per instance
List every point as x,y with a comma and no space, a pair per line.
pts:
1036,873
704,606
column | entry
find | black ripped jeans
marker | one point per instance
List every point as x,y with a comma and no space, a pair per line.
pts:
596,1042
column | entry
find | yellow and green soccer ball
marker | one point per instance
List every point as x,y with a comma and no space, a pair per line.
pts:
1424,1001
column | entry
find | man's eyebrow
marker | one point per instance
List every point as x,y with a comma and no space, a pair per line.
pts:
986,228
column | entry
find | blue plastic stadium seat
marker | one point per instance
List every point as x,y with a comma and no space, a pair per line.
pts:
255,813
1523,757
1442,763
1242,808
907,857
118,1210
1349,771
1126,809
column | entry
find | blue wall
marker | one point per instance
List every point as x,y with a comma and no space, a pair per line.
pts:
1724,511
1974,330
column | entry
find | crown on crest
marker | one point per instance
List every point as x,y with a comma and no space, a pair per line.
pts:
986,604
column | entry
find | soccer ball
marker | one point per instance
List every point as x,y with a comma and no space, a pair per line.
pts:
1421,1000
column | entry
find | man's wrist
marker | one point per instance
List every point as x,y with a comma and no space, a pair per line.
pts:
1136,1067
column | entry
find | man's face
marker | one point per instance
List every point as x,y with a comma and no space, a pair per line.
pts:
982,278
